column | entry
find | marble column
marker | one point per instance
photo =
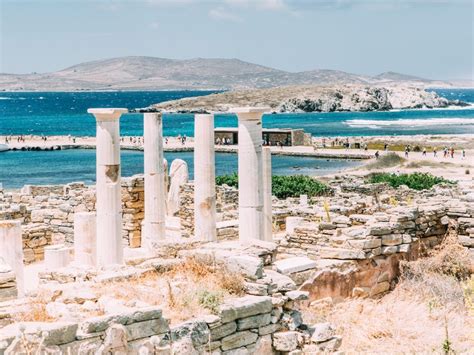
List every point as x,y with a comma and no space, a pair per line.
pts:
108,186
267,194
85,238
155,191
204,178
56,256
11,250
250,173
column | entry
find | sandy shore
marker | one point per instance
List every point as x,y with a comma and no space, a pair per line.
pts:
455,168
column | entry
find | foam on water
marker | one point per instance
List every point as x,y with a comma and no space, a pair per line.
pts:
410,123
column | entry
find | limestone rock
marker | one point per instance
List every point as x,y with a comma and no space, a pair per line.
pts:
286,341
322,332
244,307
296,264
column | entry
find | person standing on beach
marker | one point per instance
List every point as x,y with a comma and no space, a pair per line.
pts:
435,152
406,152
377,154
463,154
452,152
424,152
385,147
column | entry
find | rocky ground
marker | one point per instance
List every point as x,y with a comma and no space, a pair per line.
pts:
315,99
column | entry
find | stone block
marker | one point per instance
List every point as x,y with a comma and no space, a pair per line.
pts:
340,253
392,239
322,332
296,264
286,341
254,321
244,307
223,330
238,340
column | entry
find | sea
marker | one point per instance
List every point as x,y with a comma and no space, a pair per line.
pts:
65,113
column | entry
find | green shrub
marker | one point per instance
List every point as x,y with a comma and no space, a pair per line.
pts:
285,186
210,300
230,180
416,181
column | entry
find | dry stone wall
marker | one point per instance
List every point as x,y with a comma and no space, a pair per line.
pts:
47,213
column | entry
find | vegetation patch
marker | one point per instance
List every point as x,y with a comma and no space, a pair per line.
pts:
385,161
284,186
415,181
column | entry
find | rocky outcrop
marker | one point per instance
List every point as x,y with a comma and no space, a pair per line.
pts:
335,98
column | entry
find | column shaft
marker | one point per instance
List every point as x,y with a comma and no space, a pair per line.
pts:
250,177
267,195
11,250
155,193
85,238
204,178
108,187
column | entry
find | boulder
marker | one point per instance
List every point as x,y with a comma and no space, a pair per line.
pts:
322,332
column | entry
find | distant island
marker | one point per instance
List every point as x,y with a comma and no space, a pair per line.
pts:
315,98
150,73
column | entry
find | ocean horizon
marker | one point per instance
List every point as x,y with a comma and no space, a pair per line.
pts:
65,113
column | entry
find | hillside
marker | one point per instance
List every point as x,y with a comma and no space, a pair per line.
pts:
316,98
150,73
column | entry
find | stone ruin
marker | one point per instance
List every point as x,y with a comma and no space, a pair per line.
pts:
289,252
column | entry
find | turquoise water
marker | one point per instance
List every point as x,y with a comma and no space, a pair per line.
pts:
63,166
52,113
65,113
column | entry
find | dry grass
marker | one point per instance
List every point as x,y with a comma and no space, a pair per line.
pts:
431,309
36,312
189,289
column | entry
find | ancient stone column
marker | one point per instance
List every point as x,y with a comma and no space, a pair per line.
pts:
155,193
56,256
267,195
250,173
108,188
85,238
204,179
11,250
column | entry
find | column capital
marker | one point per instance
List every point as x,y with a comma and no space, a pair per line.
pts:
250,113
107,114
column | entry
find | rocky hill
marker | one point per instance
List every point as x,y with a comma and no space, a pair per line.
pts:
350,97
150,73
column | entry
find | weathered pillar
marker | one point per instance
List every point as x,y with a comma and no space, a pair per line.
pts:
204,178
108,188
11,250
267,194
56,256
250,173
155,193
85,238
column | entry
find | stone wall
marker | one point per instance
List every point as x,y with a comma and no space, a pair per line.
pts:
47,213
247,325
226,206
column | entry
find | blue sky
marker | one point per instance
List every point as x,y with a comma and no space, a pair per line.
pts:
429,38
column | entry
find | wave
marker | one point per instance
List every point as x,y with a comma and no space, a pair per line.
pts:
410,123
5,98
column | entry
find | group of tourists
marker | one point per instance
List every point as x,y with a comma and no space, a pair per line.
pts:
223,141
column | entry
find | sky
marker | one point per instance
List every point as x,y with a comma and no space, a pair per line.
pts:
428,38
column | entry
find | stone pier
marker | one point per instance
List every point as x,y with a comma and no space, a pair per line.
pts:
11,250
267,194
155,191
85,238
250,172
204,178
108,188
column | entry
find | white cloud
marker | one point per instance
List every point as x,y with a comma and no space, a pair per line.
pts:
258,4
222,14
